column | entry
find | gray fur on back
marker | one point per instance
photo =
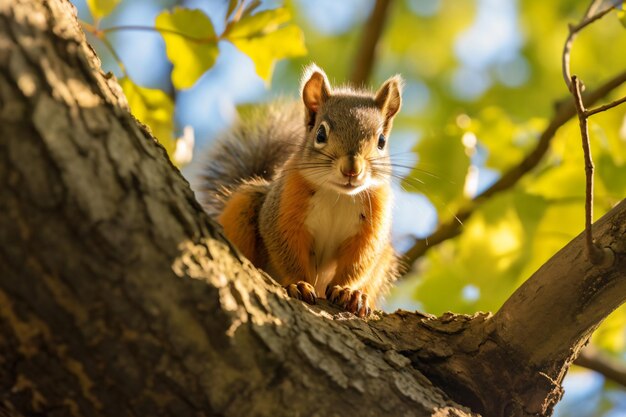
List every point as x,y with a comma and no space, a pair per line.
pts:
254,148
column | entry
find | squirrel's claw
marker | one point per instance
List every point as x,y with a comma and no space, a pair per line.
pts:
354,301
302,291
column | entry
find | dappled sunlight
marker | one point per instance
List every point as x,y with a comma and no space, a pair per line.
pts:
245,300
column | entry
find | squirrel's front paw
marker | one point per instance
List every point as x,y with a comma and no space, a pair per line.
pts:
302,291
354,301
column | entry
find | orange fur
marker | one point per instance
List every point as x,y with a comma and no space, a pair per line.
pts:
239,220
297,239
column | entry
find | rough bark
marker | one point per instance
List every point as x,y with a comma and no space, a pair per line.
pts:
120,297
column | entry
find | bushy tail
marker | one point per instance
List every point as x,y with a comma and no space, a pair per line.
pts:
260,142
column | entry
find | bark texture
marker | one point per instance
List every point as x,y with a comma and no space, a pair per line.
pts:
120,297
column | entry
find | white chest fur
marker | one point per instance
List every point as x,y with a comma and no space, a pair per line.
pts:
331,219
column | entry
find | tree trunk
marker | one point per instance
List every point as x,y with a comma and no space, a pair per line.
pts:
120,297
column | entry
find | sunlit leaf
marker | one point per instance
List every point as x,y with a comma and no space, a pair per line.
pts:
154,108
267,37
101,8
190,44
480,269
505,140
564,181
440,175
611,175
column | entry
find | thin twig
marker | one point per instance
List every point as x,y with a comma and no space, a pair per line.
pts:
116,57
373,29
591,9
575,86
591,112
573,32
593,251
121,65
565,111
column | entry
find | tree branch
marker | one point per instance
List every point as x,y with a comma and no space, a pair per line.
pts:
529,344
594,253
575,86
372,31
540,329
593,358
589,17
605,107
120,297
565,111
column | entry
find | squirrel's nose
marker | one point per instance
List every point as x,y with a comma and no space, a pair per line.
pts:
352,167
351,172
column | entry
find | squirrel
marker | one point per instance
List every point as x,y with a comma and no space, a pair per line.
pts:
306,195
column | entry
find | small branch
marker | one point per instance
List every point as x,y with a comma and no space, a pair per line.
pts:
565,111
591,9
236,15
573,32
116,57
594,252
575,86
364,60
596,360
591,112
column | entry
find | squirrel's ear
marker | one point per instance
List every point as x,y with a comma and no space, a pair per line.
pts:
388,97
315,91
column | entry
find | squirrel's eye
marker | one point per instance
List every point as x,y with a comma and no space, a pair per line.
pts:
381,142
321,137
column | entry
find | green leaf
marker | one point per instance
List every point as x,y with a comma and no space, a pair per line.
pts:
506,141
101,8
190,44
487,257
265,38
612,175
442,177
154,108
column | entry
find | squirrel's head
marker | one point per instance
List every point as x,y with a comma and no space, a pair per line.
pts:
347,132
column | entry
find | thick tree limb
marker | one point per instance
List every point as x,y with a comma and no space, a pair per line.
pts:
118,296
564,112
372,31
531,341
